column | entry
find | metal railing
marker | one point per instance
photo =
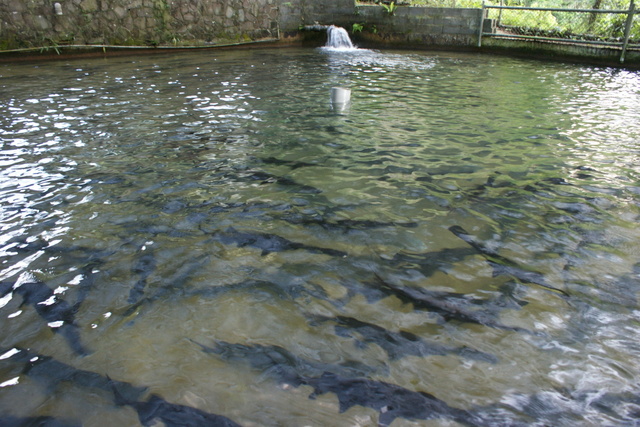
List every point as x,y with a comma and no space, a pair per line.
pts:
594,27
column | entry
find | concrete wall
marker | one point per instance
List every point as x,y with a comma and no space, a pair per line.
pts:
295,13
420,25
26,23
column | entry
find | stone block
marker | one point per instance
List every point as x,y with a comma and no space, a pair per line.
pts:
17,6
456,29
431,29
89,5
489,26
120,11
41,22
471,13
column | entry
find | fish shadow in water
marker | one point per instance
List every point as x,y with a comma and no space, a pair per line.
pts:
269,243
504,266
397,344
449,305
157,410
58,313
348,384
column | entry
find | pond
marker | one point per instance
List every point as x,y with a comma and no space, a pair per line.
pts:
204,238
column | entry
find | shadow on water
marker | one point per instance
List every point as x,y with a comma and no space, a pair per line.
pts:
194,240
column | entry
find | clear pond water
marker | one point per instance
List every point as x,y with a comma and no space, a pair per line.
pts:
201,234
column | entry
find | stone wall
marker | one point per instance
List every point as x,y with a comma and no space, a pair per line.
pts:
37,23
26,23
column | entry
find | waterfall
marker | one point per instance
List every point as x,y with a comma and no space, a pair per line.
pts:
338,38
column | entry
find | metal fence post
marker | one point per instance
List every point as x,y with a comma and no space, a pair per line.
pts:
481,29
627,29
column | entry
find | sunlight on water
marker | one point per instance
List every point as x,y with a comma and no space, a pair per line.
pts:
202,234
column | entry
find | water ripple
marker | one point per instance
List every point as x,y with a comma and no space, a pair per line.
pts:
208,227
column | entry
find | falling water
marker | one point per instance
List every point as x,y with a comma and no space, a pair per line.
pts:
338,38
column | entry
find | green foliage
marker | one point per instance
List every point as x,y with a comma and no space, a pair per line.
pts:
390,8
543,20
358,28
447,3
49,44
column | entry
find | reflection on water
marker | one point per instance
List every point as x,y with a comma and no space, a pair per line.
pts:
203,235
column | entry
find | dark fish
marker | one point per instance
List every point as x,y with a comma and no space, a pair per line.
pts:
174,291
281,365
89,273
157,410
344,225
502,265
22,244
268,242
51,373
557,181
398,344
174,283
431,262
449,305
104,178
267,178
290,163
345,380
42,421
143,267
80,255
390,400
59,314
154,229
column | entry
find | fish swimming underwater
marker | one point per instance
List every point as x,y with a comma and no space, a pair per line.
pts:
269,243
343,225
267,178
504,266
390,400
280,364
449,305
397,344
143,267
53,373
290,163
156,410
348,384
59,314
42,421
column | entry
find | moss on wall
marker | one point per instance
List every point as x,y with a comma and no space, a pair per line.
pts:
34,23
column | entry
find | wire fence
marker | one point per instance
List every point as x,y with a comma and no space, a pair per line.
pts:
600,26
587,20
606,23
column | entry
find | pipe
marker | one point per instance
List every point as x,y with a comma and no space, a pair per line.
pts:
117,47
316,27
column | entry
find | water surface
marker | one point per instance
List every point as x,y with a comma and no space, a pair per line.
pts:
205,227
